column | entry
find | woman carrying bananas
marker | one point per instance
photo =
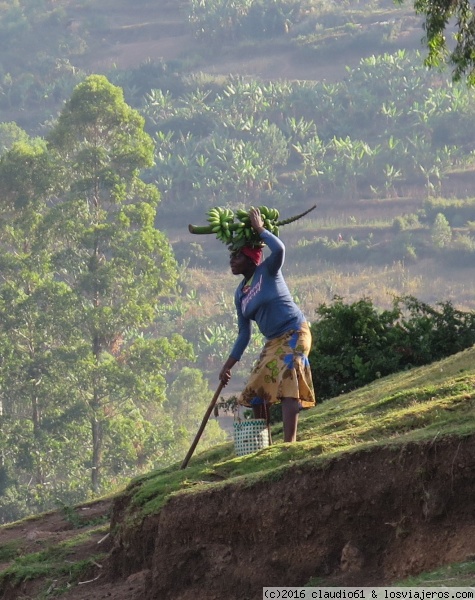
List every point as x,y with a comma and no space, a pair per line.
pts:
282,372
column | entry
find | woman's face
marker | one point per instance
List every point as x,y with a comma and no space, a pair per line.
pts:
239,263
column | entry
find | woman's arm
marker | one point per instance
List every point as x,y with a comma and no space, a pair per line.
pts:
276,259
225,373
244,335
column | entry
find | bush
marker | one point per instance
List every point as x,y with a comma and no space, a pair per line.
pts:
349,342
457,212
399,224
354,344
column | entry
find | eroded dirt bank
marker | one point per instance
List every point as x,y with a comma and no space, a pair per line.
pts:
369,518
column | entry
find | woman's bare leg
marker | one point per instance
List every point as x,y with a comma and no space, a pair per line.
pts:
290,418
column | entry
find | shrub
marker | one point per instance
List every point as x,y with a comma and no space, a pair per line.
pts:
441,233
399,224
354,344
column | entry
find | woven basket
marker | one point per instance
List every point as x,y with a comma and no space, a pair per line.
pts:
250,435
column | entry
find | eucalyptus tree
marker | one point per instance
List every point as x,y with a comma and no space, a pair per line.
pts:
22,275
30,327
40,422
84,274
108,251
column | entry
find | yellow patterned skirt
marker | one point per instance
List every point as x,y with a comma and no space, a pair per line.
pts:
282,371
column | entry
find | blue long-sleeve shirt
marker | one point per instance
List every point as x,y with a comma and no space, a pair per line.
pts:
268,301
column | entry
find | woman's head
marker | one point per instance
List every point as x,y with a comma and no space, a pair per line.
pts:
255,254
245,260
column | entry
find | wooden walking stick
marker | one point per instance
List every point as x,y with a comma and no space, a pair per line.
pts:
203,425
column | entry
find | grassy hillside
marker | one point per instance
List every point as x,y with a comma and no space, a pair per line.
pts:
415,406
426,414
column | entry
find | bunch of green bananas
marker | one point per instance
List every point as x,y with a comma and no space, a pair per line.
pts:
237,234
245,233
270,217
221,220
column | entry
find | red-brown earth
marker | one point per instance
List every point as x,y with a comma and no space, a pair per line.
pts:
370,518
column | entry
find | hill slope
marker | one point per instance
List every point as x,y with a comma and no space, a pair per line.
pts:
132,35
378,488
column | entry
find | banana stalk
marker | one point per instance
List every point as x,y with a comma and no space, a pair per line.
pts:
204,229
200,229
296,218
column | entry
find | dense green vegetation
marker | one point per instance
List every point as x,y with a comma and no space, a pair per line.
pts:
389,121
110,326
354,344
88,396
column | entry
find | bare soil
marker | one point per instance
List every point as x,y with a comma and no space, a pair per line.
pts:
369,518
48,530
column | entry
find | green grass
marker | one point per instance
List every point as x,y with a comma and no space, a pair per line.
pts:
75,519
9,550
53,562
418,405
454,575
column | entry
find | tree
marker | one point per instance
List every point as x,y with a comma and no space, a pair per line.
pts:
440,16
355,344
9,134
84,277
31,302
350,346
108,251
441,233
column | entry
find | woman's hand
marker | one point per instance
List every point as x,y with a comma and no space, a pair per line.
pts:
225,373
257,222
225,376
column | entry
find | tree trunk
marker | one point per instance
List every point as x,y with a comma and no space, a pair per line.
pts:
96,429
36,419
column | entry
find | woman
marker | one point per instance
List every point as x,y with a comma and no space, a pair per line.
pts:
282,372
